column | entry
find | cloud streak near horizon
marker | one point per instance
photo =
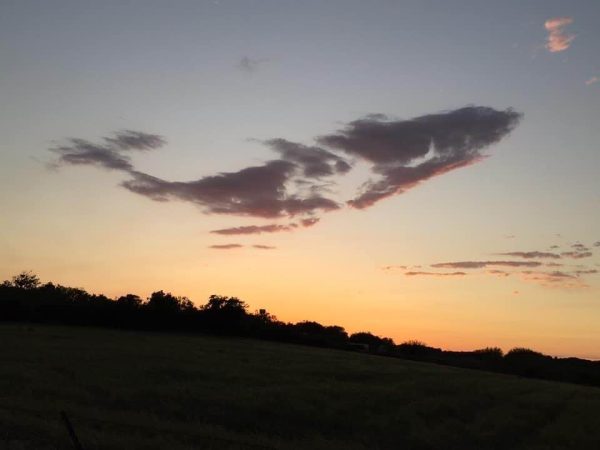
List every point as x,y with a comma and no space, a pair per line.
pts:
225,246
527,270
435,274
270,228
482,264
531,255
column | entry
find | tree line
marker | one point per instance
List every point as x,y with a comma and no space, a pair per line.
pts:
25,299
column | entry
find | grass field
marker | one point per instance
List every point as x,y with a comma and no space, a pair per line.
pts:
126,390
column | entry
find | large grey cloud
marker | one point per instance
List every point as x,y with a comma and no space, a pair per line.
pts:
258,191
405,153
316,162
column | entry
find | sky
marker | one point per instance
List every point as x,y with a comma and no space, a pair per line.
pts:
419,169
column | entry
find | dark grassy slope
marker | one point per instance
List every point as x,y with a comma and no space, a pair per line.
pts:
152,391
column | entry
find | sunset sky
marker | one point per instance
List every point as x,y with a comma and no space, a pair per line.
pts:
421,169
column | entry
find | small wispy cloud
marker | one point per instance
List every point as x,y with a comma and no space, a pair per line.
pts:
264,247
531,255
586,272
435,274
592,80
577,254
225,246
394,267
580,247
270,228
254,229
112,154
498,273
554,279
558,39
250,65
482,264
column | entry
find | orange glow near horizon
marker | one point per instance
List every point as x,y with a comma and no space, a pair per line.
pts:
288,153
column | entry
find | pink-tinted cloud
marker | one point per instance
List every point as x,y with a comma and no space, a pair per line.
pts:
558,39
309,222
592,80
225,246
264,247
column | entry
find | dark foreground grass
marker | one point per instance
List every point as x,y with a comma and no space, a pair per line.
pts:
125,390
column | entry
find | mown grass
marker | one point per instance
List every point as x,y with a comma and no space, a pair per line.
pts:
152,391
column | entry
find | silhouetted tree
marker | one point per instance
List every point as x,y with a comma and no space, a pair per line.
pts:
25,299
166,303
489,353
129,301
26,280
316,334
225,314
375,343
